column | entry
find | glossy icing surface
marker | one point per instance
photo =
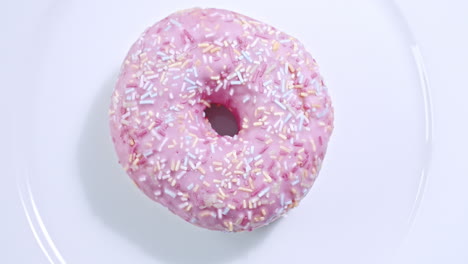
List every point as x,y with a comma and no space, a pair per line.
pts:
197,57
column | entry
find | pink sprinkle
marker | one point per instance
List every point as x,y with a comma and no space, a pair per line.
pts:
190,37
255,76
262,69
141,133
245,221
264,149
261,36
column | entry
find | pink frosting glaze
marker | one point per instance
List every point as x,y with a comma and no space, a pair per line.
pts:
197,57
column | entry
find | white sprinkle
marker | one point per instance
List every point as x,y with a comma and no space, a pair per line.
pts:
301,121
180,175
189,81
295,182
190,187
235,83
195,72
191,155
239,75
212,148
282,199
263,192
246,99
170,193
148,153
147,85
162,144
142,102
246,56
249,215
218,87
183,205
255,42
226,210
162,54
280,104
267,82
129,90
126,115
287,93
192,165
175,22
287,118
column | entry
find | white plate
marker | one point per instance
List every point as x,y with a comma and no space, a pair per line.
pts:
82,208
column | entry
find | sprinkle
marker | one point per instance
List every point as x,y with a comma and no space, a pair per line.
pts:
201,170
280,104
275,46
267,82
258,162
170,193
245,189
287,118
239,75
267,177
183,205
162,144
189,81
173,21
314,148
142,102
207,48
207,213
246,56
148,153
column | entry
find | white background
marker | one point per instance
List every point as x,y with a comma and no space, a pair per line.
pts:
440,232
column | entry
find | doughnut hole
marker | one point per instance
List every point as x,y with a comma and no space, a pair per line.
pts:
222,120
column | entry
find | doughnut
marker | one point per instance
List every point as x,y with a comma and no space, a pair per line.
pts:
197,58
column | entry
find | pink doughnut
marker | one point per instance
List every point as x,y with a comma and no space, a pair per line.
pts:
192,59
